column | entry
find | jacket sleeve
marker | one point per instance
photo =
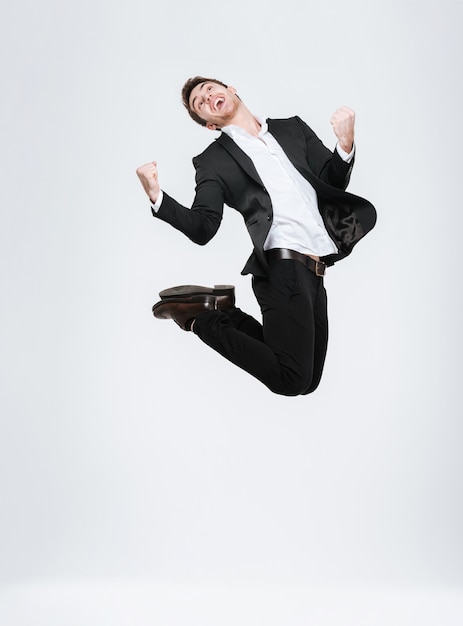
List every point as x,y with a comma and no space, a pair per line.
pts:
328,166
201,222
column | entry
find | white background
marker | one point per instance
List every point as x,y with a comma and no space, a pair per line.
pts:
144,478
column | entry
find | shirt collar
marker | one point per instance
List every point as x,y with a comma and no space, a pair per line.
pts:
232,130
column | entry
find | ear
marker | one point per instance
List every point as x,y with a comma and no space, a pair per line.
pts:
211,126
232,89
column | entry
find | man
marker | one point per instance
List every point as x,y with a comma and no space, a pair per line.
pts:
290,190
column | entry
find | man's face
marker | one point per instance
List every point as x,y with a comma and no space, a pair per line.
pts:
214,103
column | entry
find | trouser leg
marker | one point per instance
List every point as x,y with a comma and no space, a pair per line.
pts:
288,355
321,339
245,323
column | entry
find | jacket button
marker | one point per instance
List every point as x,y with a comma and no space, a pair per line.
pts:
269,217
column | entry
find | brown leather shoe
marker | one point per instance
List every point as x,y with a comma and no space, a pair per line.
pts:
182,310
225,294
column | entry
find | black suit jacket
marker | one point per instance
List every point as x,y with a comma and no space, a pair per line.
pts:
225,174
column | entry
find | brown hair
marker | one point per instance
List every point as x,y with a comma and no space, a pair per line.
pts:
188,87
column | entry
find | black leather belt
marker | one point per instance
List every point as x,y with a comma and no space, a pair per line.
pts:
317,267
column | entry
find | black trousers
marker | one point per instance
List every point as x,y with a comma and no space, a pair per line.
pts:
287,351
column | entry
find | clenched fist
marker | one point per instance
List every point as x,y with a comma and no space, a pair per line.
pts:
148,175
343,121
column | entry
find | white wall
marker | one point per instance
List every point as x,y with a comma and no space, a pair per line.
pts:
128,448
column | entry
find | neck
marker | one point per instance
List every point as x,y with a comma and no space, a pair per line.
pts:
246,120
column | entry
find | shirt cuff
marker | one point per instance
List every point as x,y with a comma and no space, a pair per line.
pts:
155,206
347,157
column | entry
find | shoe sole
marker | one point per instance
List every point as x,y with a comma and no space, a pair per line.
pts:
197,290
162,311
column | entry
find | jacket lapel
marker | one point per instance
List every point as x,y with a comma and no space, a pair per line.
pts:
240,157
289,139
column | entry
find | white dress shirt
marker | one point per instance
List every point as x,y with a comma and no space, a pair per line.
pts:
297,223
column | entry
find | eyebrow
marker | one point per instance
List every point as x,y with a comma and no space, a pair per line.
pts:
193,103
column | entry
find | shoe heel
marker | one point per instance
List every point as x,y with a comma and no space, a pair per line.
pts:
223,290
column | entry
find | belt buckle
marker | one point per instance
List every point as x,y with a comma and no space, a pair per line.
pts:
320,268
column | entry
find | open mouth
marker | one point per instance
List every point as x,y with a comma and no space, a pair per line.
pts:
218,103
